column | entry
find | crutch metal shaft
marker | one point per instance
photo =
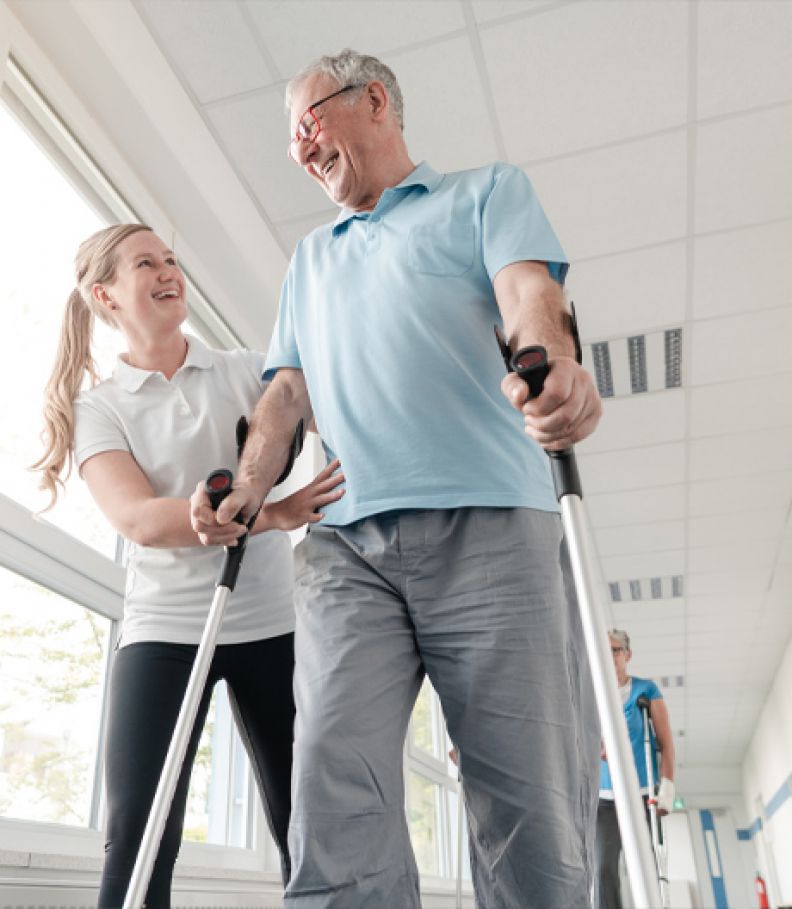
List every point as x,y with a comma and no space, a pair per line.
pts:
654,818
531,365
218,486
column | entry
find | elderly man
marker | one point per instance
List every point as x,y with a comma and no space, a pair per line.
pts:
445,555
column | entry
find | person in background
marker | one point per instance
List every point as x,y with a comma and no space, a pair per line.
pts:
609,844
142,439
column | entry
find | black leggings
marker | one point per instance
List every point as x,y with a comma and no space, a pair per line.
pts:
609,847
147,686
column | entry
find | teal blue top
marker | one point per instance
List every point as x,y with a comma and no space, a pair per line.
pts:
634,717
390,315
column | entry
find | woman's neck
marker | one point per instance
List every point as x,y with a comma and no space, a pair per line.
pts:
163,354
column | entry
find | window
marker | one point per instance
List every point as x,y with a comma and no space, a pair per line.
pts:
53,659
433,807
54,648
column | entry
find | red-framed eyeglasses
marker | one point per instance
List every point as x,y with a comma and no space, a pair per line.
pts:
309,125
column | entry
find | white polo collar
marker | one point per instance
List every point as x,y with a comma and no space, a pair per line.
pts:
131,378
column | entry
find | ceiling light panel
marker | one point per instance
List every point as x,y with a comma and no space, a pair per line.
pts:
637,364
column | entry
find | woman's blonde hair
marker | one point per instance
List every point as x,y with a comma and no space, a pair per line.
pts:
95,263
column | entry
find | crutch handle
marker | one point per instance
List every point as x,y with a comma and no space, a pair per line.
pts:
530,364
218,485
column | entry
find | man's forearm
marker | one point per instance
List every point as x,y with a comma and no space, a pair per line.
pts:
270,436
534,309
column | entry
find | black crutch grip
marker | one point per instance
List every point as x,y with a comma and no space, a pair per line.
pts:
643,703
218,485
530,364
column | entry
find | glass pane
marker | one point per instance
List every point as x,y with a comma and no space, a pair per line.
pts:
44,220
196,820
424,802
52,660
423,727
458,848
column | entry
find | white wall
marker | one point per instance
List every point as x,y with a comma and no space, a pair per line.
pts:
766,770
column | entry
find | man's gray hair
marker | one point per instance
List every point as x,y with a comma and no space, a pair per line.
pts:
621,636
351,68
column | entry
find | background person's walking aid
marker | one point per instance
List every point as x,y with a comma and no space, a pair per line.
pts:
530,364
218,485
654,819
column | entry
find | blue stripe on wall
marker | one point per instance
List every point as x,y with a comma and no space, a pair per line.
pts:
778,798
718,885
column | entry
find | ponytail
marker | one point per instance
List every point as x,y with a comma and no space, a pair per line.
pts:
72,361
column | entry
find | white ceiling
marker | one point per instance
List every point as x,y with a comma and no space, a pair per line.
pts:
659,136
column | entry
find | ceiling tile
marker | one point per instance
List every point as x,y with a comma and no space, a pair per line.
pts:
598,201
254,131
290,232
750,583
742,270
559,79
761,491
629,293
633,468
755,555
763,524
752,404
637,506
649,565
716,606
719,347
643,419
742,170
210,44
743,55
489,10
445,76
736,454
640,538
298,33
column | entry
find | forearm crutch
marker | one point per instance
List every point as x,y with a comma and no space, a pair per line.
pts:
218,485
654,820
530,364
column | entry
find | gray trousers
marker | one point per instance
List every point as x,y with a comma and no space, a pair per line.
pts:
481,600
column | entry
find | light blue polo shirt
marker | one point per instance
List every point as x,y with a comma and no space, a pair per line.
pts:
390,315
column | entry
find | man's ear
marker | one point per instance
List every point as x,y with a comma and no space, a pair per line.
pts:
378,100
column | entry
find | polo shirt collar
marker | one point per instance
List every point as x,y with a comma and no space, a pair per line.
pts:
131,378
423,175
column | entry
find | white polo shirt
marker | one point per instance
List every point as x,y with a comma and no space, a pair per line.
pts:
178,431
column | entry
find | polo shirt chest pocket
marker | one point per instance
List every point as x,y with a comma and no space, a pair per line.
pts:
441,249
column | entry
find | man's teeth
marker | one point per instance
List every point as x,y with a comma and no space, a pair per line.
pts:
329,166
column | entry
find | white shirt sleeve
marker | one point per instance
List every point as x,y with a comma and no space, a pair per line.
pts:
95,431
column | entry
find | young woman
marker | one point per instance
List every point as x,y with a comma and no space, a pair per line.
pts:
142,440
632,688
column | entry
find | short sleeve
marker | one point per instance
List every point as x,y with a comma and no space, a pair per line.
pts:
652,691
514,227
283,345
95,431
